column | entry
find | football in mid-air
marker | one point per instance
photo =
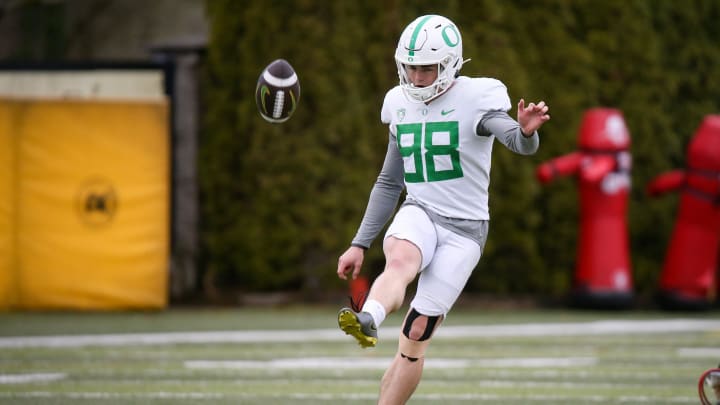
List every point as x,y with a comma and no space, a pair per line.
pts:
277,92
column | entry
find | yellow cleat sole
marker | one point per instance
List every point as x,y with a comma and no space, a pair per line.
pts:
349,324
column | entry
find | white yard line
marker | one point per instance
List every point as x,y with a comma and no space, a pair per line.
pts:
607,327
355,363
30,377
702,352
112,395
470,398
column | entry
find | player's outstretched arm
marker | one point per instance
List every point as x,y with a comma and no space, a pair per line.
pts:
532,117
350,262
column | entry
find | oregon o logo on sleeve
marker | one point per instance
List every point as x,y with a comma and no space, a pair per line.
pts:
96,202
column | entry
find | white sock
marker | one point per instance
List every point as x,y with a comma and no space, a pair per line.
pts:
376,310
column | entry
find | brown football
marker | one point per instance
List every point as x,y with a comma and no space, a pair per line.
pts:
277,92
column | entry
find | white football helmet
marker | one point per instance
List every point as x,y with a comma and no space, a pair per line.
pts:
429,40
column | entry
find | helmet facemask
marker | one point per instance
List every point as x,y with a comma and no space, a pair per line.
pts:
429,40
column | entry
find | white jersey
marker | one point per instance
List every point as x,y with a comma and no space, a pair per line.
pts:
446,164
440,152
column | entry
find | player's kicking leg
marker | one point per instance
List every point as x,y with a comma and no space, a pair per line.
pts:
386,295
439,286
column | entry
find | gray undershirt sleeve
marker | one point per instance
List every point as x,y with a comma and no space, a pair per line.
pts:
508,132
383,197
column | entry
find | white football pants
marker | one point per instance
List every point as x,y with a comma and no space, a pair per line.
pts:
448,259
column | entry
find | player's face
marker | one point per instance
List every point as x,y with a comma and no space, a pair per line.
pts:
422,76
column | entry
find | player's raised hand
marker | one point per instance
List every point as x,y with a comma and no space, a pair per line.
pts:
532,117
350,262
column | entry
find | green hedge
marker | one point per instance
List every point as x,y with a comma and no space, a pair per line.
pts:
280,203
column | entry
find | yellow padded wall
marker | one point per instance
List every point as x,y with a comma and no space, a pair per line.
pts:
7,204
92,205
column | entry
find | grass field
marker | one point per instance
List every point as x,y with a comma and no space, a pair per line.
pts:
296,355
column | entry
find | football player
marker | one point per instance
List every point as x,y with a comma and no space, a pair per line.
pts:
442,129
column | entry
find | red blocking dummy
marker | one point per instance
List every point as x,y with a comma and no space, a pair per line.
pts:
359,289
688,279
601,165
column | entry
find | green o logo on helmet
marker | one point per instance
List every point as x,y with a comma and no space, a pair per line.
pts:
453,39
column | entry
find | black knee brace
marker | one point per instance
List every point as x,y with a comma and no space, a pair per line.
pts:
429,327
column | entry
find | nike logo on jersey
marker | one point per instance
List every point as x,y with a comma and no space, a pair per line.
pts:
443,112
